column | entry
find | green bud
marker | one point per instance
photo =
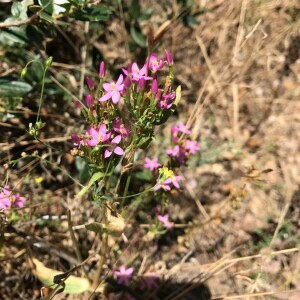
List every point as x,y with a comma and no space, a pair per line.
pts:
24,72
49,61
32,132
39,125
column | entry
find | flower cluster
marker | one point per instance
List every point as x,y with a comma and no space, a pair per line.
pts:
10,200
183,147
122,114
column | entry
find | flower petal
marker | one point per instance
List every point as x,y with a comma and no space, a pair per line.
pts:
107,153
117,139
105,97
115,97
119,151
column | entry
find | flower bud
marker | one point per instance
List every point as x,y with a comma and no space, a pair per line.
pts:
24,72
49,61
89,83
127,82
169,58
142,83
89,100
78,104
102,69
154,86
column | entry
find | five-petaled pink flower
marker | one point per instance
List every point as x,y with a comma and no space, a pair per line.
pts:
8,199
121,128
113,90
136,73
123,275
191,146
165,220
165,185
97,135
152,164
180,127
155,64
113,148
178,153
167,100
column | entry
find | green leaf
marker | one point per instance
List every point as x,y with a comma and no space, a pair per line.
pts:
143,142
138,37
48,5
83,168
92,14
19,9
58,6
13,35
135,9
13,88
94,178
95,227
72,285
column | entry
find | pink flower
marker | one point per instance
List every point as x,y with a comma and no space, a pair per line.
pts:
151,164
180,127
162,185
191,146
5,198
173,152
165,185
97,135
8,199
166,101
136,73
183,128
121,128
76,140
113,148
123,275
174,181
154,64
178,153
165,220
113,90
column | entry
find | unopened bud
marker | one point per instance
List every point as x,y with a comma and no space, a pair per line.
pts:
154,86
127,82
142,83
102,69
24,72
89,100
169,58
89,83
49,61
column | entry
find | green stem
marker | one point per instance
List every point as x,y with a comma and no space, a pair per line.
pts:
42,93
